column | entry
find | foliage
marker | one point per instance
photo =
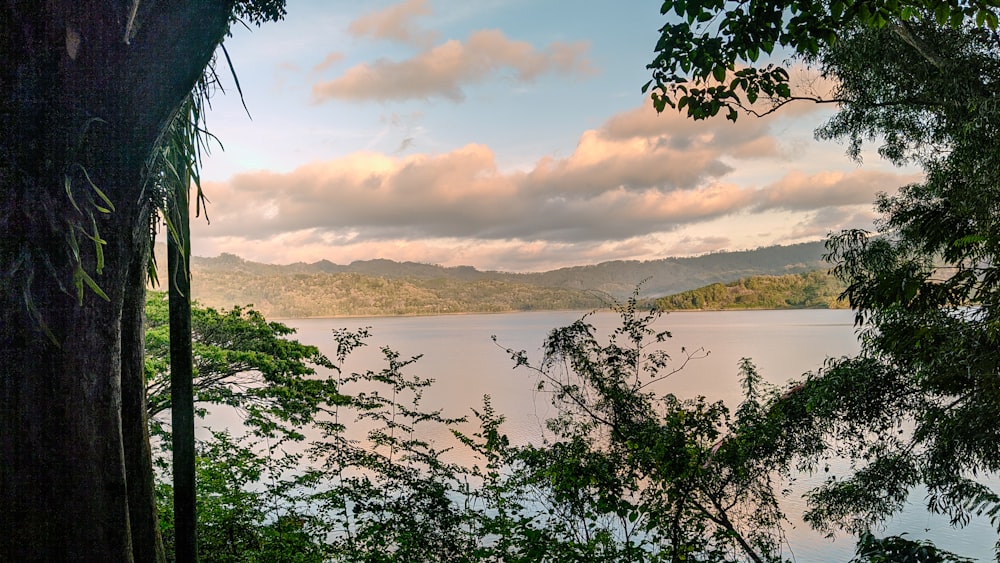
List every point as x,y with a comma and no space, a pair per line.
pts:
925,287
250,505
241,361
627,474
920,80
898,549
712,54
652,476
811,290
388,494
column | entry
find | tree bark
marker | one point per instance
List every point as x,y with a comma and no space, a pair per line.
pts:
147,544
182,380
85,92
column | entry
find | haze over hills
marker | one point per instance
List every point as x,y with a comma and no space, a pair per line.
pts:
385,287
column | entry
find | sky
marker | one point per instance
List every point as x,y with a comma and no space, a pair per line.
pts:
507,135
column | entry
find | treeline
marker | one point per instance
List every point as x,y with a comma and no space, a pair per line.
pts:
387,288
350,294
811,290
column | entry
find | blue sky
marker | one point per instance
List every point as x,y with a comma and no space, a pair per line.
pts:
502,134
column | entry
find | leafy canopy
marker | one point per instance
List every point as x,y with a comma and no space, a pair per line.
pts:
715,55
241,361
920,79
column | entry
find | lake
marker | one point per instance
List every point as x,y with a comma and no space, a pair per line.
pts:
466,364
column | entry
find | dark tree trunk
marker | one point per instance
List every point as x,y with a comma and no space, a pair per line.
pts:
147,545
85,91
182,382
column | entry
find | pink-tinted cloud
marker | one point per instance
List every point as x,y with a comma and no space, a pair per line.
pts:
798,191
445,69
396,23
627,184
828,220
328,61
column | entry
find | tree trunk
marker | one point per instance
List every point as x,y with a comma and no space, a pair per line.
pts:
147,545
182,379
85,90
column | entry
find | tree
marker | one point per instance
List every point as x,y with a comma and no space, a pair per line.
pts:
639,474
926,287
253,505
711,59
87,90
386,497
246,492
920,79
243,362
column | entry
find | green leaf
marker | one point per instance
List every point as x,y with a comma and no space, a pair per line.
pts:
837,9
719,72
942,13
97,190
98,246
957,17
68,186
94,287
81,278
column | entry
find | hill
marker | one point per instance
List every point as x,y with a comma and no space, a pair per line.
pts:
812,290
385,287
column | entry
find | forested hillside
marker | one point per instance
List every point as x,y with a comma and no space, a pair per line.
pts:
350,294
811,290
384,287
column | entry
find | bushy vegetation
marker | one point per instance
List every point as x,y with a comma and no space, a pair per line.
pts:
626,473
812,290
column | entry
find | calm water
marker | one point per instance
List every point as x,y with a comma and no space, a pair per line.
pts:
459,354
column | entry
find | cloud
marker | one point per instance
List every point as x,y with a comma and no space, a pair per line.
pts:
627,185
607,189
328,61
828,220
442,71
395,23
797,191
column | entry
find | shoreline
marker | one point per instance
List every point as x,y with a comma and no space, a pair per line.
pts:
582,311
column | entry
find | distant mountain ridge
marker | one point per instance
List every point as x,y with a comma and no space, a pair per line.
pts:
385,287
